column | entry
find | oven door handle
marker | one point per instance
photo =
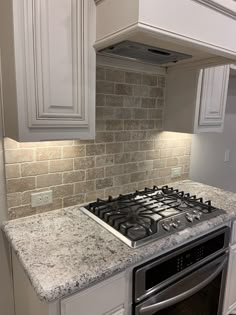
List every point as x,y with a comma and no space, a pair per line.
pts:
209,277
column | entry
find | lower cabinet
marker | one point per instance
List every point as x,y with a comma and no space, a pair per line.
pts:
230,290
109,297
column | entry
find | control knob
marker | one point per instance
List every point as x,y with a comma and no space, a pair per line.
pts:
197,214
189,217
175,223
166,226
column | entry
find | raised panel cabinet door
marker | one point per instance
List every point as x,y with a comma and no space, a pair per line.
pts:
58,58
230,290
214,89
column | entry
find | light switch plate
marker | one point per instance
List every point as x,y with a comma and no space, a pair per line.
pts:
41,198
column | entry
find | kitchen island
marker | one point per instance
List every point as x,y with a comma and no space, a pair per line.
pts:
65,251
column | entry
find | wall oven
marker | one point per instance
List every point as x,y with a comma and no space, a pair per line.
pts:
188,280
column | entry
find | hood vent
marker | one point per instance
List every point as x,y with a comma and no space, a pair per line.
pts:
144,53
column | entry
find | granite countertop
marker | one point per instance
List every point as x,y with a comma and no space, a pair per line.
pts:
64,251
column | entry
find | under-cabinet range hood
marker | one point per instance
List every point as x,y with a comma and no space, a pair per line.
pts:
167,32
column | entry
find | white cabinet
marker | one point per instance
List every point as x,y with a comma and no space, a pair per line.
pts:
48,69
108,298
230,291
196,99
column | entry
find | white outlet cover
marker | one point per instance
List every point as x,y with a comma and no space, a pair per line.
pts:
176,172
41,199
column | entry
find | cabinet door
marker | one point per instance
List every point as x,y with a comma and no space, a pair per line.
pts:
213,96
230,290
107,298
55,68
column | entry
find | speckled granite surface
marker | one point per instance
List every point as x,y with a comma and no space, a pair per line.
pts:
65,251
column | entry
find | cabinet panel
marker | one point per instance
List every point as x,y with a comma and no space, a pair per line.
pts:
230,291
54,47
49,77
214,91
107,298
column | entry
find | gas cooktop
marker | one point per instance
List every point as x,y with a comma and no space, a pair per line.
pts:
150,214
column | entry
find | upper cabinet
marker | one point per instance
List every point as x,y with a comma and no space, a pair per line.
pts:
48,68
196,100
194,32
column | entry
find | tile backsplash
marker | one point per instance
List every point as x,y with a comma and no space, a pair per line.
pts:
129,153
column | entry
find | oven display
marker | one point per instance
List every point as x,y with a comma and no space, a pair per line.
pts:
162,271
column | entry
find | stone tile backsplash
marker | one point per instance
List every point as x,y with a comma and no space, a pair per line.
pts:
130,150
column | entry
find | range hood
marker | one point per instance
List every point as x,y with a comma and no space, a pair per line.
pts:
144,53
166,32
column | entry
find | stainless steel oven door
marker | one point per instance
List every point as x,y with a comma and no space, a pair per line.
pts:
201,290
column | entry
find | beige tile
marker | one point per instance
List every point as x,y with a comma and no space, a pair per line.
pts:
123,89
84,187
137,177
73,177
62,191
21,211
73,200
131,168
104,183
48,180
122,158
139,113
12,171
60,165
133,77
131,146
104,137
84,163
104,87
100,73
94,173
112,148
73,151
114,101
122,113
95,149
146,145
56,205
20,184
114,125
115,75
104,160
137,156
122,136
93,195
19,156
122,180
149,79
165,172
35,168
48,153
10,144
14,200
114,170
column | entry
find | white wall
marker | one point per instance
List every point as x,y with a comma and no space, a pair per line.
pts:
6,295
208,150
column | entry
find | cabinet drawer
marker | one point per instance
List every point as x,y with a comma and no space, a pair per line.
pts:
103,299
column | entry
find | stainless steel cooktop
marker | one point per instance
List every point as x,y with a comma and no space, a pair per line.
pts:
150,214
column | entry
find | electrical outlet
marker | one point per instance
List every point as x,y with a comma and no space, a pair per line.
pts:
175,172
41,198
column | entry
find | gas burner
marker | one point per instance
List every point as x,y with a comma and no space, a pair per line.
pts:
149,214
